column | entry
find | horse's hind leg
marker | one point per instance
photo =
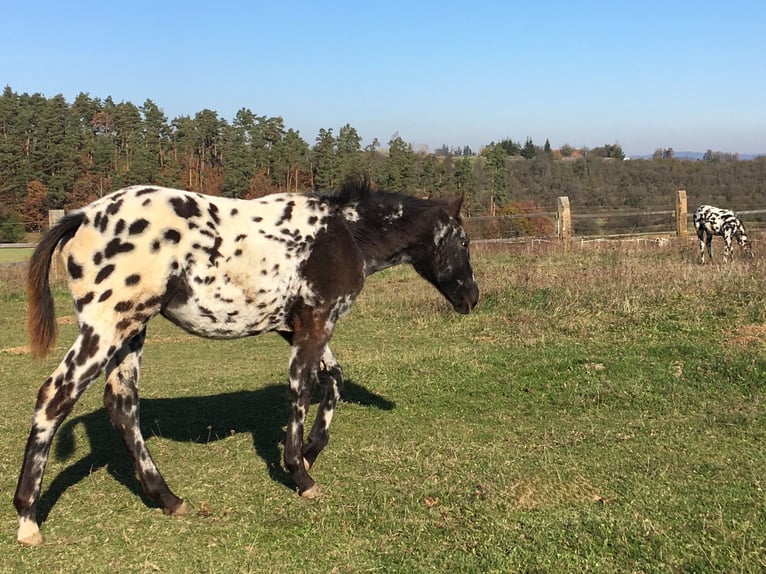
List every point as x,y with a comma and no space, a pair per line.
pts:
331,379
701,238
121,402
310,335
82,364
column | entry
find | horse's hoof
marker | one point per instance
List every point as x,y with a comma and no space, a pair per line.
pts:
306,465
313,492
34,539
181,510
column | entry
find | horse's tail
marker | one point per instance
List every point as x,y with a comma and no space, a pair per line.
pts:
41,316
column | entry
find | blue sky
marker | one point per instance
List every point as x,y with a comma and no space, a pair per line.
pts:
644,74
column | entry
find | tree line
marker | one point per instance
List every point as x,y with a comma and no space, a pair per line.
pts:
60,155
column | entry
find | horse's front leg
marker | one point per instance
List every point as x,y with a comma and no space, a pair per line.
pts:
727,250
331,379
308,342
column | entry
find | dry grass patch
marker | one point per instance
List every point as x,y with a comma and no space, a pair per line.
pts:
749,335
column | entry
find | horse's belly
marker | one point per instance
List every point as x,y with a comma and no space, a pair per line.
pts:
230,315
232,324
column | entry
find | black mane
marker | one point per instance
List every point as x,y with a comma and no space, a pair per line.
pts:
368,199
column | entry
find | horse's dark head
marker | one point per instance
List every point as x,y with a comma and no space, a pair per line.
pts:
445,262
741,236
393,228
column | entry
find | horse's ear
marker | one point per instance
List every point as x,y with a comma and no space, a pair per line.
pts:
455,206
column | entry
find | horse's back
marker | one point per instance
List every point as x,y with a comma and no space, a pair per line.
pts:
218,267
714,220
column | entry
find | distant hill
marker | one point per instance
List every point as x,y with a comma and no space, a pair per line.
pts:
689,155
696,155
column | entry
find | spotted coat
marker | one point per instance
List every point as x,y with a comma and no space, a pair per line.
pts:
710,221
221,268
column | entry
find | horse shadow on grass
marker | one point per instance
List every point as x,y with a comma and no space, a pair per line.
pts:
202,419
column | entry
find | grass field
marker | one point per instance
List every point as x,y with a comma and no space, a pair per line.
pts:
15,254
602,410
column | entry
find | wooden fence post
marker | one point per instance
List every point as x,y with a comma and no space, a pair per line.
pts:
57,267
54,215
681,213
564,221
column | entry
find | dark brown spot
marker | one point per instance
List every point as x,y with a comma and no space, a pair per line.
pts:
105,295
172,235
116,246
89,344
123,306
84,300
287,214
178,291
212,209
152,302
75,270
114,207
185,207
59,404
208,314
138,226
104,273
132,279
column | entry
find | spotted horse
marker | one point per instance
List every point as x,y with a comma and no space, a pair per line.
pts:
222,268
709,221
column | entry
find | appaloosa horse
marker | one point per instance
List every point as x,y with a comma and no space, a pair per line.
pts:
709,221
221,268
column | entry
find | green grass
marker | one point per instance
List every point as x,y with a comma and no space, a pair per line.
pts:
601,411
15,254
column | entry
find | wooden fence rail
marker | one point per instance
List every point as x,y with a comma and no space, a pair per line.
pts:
561,225
677,223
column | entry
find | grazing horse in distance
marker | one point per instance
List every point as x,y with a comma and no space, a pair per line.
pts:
221,268
709,221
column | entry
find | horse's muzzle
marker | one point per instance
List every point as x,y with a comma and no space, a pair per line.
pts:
468,301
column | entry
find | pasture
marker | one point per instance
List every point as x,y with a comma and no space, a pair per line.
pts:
601,410
15,254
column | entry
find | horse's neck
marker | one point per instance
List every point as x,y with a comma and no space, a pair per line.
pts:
373,263
383,244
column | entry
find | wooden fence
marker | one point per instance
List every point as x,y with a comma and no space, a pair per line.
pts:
565,225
